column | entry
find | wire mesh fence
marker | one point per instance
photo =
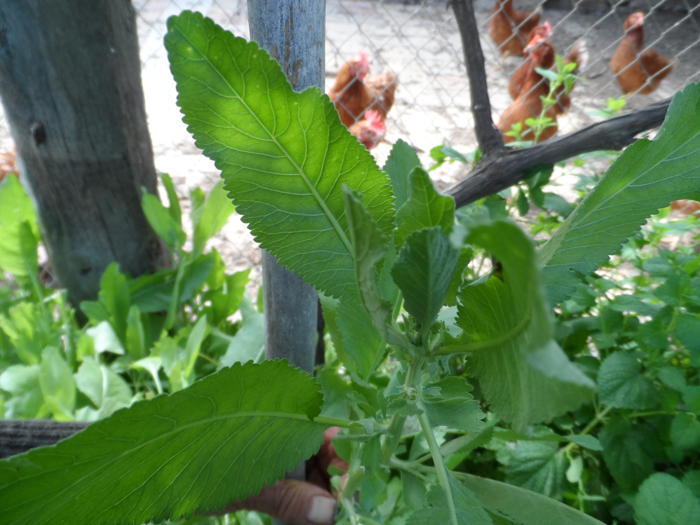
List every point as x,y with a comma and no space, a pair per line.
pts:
418,41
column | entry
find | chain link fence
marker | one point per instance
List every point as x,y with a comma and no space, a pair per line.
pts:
419,41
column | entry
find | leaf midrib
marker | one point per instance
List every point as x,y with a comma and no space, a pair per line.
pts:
311,188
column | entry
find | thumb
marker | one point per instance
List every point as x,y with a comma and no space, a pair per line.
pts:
294,502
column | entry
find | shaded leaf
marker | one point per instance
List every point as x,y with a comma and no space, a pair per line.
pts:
664,500
16,208
210,217
249,342
401,162
423,208
522,506
508,331
685,433
106,389
358,342
26,400
448,402
624,453
621,383
646,177
162,221
57,384
535,465
369,246
469,509
424,270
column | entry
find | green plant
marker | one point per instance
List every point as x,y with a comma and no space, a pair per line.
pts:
435,367
560,81
128,349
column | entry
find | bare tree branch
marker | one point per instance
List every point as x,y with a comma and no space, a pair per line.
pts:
20,435
496,173
487,135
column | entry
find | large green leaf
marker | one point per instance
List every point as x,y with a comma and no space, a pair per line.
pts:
508,331
523,506
285,156
665,500
647,176
223,439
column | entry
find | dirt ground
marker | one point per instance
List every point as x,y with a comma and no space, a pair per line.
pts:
420,42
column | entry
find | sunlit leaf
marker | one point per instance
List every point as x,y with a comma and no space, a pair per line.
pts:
223,439
284,156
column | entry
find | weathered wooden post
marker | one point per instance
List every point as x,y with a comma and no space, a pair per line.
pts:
70,82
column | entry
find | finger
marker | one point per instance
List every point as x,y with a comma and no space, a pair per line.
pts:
294,502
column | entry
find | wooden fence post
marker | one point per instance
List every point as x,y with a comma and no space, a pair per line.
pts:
70,82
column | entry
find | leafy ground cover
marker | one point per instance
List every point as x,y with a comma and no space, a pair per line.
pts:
479,376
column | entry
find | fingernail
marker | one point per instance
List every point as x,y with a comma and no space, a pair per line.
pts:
322,510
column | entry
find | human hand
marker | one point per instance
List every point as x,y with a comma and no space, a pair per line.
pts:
301,502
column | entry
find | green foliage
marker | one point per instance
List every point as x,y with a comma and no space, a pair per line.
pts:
443,350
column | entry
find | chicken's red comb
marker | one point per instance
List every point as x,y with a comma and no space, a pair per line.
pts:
547,28
364,59
538,35
374,119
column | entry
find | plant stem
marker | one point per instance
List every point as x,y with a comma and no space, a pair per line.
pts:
333,421
599,418
440,468
409,467
175,297
397,421
652,413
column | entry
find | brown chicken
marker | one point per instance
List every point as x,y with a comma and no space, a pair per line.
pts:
577,55
370,130
353,92
539,33
638,71
509,28
528,103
